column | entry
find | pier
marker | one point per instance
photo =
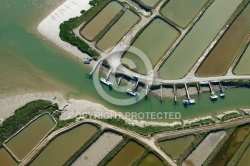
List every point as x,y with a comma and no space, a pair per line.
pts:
213,95
107,78
146,90
175,93
119,80
188,97
136,85
211,89
96,65
222,90
198,87
189,100
161,92
133,90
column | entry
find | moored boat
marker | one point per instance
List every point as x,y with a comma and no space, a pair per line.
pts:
131,92
103,80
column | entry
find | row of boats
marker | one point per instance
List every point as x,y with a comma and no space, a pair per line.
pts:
110,84
213,97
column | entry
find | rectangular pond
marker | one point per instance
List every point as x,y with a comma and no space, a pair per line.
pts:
231,146
101,20
64,146
154,41
222,56
99,149
150,3
151,160
175,147
22,143
117,31
243,67
6,159
245,160
203,150
127,155
198,39
182,12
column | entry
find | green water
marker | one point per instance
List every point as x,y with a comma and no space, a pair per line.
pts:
19,18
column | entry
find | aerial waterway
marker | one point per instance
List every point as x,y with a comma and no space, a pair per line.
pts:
17,37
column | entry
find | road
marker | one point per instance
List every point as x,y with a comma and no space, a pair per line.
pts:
151,142
217,126
180,38
104,126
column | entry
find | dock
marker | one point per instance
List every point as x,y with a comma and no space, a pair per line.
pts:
175,93
161,92
188,97
134,89
136,85
107,78
146,90
211,89
119,80
198,88
189,100
222,90
96,65
213,95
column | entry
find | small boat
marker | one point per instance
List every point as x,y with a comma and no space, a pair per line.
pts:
213,97
103,80
222,94
187,102
192,101
136,77
86,62
131,92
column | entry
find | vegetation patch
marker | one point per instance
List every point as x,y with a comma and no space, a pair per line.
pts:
145,131
230,116
23,115
66,28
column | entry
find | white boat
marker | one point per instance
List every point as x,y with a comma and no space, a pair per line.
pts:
222,94
213,97
103,80
192,101
187,102
131,92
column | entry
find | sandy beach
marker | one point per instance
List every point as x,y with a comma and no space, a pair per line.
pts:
10,104
49,27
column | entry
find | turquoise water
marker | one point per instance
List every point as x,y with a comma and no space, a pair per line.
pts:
18,21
